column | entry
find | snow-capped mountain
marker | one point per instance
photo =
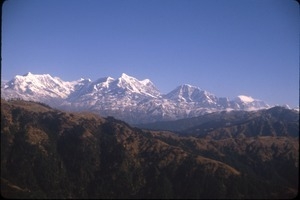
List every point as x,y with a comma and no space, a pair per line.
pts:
125,98
44,88
248,103
121,87
188,93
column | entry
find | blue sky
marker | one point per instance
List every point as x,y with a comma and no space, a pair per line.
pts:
227,47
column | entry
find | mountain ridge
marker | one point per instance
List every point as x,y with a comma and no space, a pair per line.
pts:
82,155
141,100
275,121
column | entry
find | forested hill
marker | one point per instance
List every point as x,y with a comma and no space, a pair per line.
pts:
46,153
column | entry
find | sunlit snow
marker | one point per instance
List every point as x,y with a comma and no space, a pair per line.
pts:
126,97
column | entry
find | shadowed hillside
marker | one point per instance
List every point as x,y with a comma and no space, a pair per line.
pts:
276,121
46,153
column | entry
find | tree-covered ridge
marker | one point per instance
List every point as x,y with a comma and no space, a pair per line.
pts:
46,153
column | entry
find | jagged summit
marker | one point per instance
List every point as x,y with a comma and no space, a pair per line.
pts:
189,93
125,98
127,77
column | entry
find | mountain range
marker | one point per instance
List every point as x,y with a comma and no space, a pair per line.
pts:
126,98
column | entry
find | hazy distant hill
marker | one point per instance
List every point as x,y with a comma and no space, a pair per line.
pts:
276,121
46,153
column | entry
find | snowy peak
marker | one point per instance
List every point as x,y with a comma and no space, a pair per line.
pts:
37,87
131,84
103,82
79,84
248,103
127,78
30,81
182,93
189,93
128,82
110,88
244,99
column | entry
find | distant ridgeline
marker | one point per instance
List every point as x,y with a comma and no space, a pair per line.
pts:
47,153
275,121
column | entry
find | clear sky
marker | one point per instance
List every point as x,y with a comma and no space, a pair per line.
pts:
227,47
